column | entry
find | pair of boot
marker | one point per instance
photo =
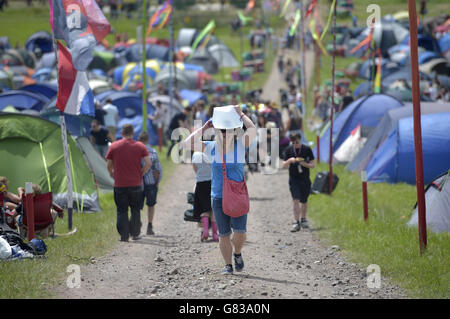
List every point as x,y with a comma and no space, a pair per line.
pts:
205,234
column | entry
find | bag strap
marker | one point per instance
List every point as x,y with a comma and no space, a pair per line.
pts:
224,171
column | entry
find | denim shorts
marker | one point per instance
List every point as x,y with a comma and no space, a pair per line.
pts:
225,222
149,195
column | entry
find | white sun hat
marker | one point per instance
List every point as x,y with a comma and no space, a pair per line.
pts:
226,117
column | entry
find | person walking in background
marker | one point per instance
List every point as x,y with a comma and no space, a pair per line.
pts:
228,143
299,158
202,194
99,137
179,120
151,181
99,113
111,119
124,165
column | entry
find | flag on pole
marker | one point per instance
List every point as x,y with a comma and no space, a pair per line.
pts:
377,82
366,41
243,18
316,37
310,8
208,29
160,18
329,20
283,11
81,24
74,93
295,24
250,5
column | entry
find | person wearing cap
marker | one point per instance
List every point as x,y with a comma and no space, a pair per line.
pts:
300,159
230,143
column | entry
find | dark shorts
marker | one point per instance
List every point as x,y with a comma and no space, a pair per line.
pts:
202,198
149,195
300,189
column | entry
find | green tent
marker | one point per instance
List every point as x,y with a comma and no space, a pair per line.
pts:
31,151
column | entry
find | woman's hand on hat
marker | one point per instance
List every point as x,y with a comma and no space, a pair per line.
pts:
208,124
238,109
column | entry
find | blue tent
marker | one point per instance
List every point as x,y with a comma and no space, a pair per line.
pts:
387,67
130,111
42,40
367,111
425,41
42,75
444,43
381,132
46,89
77,125
426,56
23,100
154,51
192,96
136,121
393,161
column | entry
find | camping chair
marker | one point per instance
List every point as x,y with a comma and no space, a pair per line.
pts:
42,212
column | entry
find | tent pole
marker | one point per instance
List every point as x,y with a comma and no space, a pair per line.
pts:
65,148
333,88
421,208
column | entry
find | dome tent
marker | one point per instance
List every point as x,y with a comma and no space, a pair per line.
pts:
393,161
437,201
367,111
382,130
31,151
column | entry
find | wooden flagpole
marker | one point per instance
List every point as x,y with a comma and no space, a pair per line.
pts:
421,207
330,177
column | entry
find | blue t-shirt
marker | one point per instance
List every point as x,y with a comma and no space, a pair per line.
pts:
234,163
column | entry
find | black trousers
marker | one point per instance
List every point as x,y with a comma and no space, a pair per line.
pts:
125,197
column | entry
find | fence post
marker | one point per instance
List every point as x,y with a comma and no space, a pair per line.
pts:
29,208
318,147
364,194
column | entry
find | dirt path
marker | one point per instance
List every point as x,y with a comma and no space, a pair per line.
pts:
175,264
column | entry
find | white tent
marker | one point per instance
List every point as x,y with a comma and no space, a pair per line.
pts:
437,200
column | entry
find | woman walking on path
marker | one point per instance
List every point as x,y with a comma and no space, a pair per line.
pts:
229,147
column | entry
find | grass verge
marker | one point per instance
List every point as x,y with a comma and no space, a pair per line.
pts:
96,235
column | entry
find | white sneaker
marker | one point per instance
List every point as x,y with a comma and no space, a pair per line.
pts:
295,227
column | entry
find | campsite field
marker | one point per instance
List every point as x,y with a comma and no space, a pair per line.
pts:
384,240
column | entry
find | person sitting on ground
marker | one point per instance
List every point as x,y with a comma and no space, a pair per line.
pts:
11,200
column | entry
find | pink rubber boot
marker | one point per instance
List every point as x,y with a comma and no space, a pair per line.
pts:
215,236
205,222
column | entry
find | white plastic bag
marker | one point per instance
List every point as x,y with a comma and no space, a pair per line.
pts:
5,249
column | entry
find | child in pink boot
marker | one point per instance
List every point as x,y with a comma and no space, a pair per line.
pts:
202,195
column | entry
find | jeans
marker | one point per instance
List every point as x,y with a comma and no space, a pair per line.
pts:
225,222
125,197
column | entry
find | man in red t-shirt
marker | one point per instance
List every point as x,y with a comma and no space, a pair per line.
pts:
124,159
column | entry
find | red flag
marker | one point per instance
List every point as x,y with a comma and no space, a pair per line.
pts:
310,8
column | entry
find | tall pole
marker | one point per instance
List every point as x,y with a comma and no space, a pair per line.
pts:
144,69
333,88
303,62
171,71
421,208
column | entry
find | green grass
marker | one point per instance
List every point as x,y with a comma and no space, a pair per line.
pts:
384,239
96,235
